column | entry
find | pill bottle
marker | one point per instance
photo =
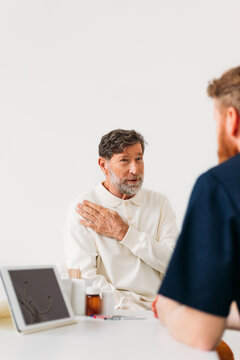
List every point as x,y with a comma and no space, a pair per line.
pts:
107,304
93,301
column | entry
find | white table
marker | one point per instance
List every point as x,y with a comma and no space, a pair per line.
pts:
97,339
94,339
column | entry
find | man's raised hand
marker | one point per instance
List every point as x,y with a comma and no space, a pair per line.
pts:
102,220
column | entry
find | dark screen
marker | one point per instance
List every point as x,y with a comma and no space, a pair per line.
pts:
39,295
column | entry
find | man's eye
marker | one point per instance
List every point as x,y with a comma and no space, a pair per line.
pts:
139,158
123,160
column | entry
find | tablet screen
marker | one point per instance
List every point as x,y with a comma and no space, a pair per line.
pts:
39,295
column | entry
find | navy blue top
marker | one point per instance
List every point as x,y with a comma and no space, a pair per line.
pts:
204,272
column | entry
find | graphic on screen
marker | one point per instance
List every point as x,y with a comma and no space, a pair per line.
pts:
39,295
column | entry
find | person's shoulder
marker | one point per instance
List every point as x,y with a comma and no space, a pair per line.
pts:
152,193
158,203
90,195
223,177
152,196
225,170
226,174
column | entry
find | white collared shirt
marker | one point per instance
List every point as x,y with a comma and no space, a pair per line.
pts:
133,267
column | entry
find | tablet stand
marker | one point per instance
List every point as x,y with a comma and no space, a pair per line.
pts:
5,316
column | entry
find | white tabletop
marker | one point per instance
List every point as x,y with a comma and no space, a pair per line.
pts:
97,339
92,339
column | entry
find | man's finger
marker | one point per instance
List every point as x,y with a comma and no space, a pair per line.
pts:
92,205
87,209
86,215
87,224
154,309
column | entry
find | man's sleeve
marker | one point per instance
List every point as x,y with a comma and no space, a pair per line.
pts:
201,271
81,251
155,251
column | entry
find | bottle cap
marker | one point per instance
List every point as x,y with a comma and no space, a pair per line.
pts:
91,290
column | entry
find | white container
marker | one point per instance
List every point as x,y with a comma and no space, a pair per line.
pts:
107,303
78,296
67,287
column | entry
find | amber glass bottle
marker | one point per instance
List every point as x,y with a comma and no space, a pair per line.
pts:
93,301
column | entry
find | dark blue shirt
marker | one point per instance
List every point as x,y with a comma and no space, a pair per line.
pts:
204,272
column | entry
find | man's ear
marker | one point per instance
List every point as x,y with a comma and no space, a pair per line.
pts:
103,165
232,122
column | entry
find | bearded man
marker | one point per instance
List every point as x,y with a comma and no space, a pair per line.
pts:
119,235
200,295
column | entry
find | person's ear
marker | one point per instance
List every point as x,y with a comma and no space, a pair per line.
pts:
103,165
232,121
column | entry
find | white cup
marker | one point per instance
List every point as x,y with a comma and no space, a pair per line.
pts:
78,296
67,287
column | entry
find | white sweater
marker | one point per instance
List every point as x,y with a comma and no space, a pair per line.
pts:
133,267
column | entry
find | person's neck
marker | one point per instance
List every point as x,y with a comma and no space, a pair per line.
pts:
115,192
223,158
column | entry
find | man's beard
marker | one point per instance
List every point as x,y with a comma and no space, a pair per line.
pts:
226,149
123,187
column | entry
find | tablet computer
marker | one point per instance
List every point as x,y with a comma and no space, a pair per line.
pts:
36,298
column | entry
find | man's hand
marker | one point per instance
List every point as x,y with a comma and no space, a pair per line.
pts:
164,307
102,220
154,310
188,325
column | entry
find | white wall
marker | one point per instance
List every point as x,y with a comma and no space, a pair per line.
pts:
72,70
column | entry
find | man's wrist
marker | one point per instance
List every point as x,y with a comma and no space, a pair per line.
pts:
123,231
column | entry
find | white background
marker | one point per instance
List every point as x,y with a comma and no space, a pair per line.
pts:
72,70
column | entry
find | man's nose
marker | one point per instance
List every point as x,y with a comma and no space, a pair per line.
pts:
133,169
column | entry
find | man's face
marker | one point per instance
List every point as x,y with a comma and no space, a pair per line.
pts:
226,147
125,171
